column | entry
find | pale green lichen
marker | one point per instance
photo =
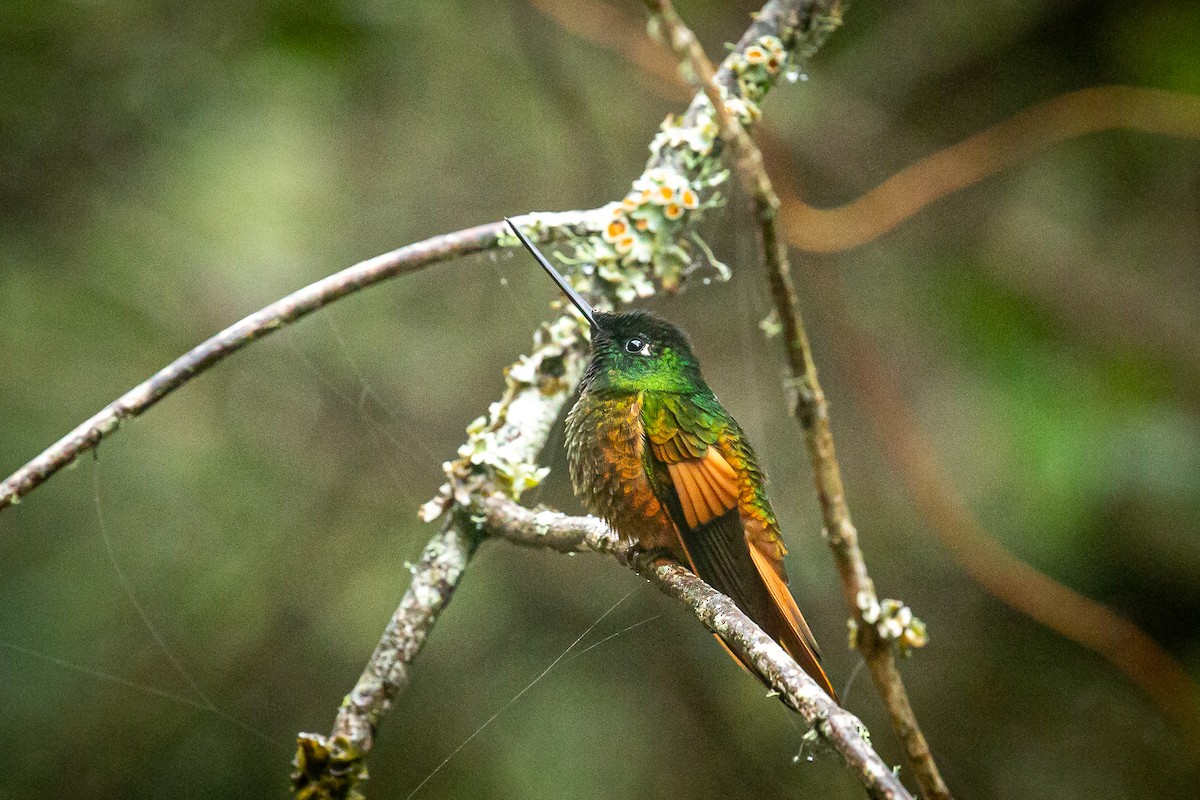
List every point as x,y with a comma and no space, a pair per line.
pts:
770,325
647,240
757,68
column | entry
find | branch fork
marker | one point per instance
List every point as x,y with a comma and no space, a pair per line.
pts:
644,243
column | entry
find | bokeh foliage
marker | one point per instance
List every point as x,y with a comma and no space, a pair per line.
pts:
166,168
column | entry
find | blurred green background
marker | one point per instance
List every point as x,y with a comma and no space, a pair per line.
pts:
166,168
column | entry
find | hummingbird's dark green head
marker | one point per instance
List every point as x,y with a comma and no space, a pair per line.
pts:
638,351
631,352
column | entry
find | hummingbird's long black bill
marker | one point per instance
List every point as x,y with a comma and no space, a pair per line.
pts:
554,274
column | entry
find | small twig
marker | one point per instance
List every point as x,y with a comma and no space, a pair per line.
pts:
811,409
500,517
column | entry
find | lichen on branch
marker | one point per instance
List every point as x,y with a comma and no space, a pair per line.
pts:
632,248
627,250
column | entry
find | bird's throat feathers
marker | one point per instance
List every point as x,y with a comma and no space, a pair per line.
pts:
638,351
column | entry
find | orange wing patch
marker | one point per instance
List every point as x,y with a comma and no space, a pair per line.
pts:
707,487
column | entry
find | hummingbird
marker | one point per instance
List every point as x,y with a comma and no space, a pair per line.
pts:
654,453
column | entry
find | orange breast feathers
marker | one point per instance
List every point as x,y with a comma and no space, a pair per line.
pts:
605,439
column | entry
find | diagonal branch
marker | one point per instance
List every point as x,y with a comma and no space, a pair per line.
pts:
811,409
333,767
1017,584
500,517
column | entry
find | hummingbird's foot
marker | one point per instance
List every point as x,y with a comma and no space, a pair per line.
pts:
640,553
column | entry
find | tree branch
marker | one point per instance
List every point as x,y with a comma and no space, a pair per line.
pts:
1149,665
499,517
810,407
284,311
333,766
503,446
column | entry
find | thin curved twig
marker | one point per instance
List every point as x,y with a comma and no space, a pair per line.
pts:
284,311
992,150
246,331
812,411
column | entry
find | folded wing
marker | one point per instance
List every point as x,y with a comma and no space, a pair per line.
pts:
734,547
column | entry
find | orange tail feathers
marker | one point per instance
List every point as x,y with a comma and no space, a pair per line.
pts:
792,632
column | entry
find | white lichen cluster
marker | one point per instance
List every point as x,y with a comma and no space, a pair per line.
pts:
504,444
893,621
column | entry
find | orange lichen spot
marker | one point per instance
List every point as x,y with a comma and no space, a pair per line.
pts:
616,229
663,195
690,199
673,211
625,243
642,224
755,55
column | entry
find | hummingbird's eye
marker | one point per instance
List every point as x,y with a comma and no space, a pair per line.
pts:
637,346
